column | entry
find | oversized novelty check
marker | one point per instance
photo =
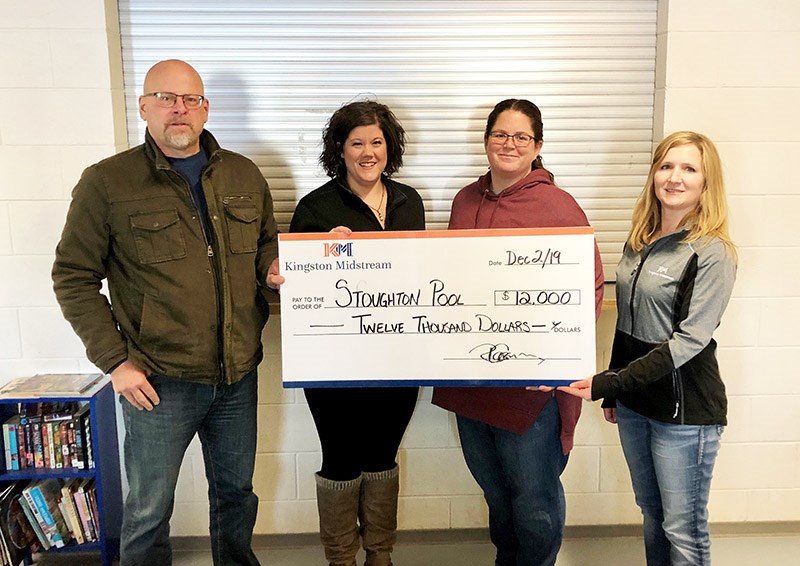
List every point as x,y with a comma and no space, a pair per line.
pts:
455,307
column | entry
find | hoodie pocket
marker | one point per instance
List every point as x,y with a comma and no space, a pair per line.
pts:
158,236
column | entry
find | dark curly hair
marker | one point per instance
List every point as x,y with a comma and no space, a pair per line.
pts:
531,111
353,115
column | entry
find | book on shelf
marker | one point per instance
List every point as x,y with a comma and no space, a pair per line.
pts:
44,542
50,436
67,498
10,440
33,439
51,385
48,463
93,510
42,528
55,445
63,431
21,454
76,444
65,516
38,443
29,460
85,424
84,512
43,496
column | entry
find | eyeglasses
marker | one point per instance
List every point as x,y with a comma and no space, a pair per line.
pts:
520,140
168,99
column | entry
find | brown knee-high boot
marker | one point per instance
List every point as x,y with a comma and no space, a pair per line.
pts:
377,513
337,502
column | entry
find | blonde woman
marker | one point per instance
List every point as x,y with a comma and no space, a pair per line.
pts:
663,388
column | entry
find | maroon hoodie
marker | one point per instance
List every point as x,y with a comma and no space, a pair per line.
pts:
533,202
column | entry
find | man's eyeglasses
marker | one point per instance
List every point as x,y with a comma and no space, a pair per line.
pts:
520,140
168,99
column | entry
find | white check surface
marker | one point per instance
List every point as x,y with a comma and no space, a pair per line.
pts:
472,307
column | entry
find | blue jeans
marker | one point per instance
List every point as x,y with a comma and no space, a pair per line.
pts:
224,416
520,479
671,467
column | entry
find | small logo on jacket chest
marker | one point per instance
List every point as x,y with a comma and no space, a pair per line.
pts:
661,272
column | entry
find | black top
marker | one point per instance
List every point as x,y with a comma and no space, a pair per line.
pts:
334,204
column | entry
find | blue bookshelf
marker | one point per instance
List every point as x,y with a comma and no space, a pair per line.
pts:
106,472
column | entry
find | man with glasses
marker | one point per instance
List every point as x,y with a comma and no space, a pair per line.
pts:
184,233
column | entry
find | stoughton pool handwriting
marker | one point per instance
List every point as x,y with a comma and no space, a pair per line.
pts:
437,296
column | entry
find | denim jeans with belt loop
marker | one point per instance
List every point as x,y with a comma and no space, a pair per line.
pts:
224,417
671,467
520,478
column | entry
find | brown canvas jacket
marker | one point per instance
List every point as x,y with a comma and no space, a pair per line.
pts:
179,307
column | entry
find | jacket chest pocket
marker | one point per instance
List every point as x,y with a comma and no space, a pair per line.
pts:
242,217
158,236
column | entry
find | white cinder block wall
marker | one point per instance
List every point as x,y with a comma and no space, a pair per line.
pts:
731,69
61,108
728,68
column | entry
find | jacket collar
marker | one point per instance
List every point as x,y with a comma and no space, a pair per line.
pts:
207,142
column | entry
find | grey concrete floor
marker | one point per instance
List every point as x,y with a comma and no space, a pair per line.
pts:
471,548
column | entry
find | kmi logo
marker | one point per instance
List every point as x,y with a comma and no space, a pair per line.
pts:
339,249
661,272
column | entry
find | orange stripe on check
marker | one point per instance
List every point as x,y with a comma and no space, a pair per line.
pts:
494,232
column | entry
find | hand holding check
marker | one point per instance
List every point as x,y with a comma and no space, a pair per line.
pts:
582,388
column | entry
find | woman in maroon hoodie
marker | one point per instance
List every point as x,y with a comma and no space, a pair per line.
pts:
516,442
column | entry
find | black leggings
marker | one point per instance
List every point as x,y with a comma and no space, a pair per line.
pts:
360,428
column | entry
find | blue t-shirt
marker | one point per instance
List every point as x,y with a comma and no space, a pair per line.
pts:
191,169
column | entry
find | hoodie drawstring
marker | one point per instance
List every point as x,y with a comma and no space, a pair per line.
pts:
494,210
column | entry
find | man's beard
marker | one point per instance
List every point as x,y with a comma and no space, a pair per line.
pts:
181,140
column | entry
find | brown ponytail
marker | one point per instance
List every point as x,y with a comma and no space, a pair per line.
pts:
539,164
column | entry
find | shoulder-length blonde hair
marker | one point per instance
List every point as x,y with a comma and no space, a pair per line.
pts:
709,218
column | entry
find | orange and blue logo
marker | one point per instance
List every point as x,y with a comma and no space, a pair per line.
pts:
339,249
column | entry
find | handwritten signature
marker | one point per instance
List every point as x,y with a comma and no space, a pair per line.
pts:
496,353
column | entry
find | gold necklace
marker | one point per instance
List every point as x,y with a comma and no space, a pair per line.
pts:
377,211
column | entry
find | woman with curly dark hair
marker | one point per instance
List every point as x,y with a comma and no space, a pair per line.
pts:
360,428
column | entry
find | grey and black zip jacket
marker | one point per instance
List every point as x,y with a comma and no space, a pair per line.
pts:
670,299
